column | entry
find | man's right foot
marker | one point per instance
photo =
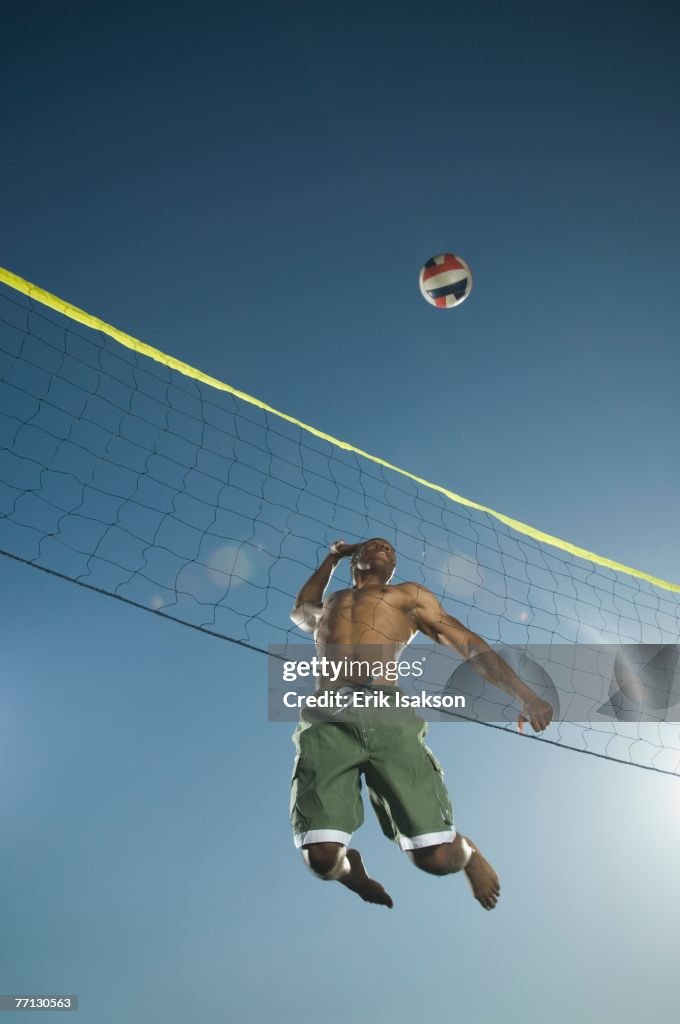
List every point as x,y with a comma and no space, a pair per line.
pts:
483,879
358,881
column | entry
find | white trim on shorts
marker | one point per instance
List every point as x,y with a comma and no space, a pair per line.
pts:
426,839
321,835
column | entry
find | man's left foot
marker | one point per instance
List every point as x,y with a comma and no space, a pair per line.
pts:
483,879
358,881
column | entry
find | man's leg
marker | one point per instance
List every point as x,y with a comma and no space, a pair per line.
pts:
333,862
461,855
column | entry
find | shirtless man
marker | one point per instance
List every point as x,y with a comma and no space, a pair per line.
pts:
404,779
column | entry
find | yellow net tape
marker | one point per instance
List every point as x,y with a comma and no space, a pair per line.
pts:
80,316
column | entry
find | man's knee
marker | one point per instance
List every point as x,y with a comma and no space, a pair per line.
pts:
436,860
325,859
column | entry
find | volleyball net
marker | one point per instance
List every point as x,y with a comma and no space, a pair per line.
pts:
134,474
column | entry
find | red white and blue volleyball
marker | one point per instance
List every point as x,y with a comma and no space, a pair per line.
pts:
445,280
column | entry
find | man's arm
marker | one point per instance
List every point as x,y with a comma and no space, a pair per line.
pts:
432,620
309,603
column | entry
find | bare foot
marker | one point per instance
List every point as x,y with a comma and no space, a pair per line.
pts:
484,880
358,881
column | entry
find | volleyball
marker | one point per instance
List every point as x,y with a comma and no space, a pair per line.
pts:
445,280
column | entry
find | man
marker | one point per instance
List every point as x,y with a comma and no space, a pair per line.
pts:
404,779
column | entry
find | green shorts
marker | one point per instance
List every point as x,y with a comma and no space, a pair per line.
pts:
405,781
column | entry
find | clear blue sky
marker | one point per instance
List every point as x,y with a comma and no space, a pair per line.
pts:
254,193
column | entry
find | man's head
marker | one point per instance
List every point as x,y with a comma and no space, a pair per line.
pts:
377,557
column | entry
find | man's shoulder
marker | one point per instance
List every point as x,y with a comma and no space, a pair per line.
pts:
336,595
411,587
410,592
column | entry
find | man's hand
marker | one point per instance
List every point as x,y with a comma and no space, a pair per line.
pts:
536,711
342,550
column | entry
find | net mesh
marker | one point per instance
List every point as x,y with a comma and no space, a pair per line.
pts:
130,477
